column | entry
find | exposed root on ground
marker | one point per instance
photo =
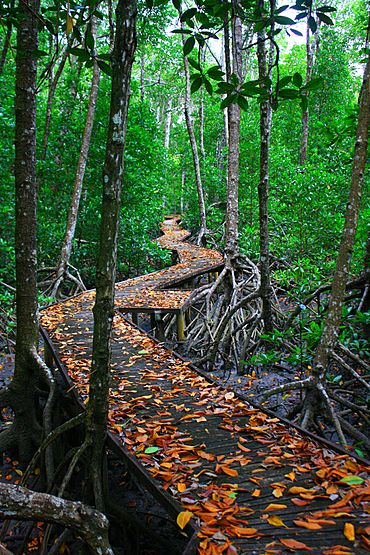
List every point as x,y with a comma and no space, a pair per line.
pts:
321,398
224,320
54,281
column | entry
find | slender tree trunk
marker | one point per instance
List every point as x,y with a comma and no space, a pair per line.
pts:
201,113
365,303
122,60
142,77
264,70
194,150
224,137
62,268
334,316
49,105
22,391
232,209
6,45
311,47
168,123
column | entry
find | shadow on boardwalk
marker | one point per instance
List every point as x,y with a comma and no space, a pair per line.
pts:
252,483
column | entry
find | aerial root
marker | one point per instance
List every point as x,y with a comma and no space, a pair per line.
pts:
54,280
57,432
316,391
225,315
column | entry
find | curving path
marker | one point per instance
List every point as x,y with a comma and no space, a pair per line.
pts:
252,483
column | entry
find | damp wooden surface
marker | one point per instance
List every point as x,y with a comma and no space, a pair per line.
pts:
251,483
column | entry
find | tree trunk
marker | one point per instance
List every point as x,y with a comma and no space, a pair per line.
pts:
51,92
311,47
22,391
66,250
201,113
23,504
194,150
232,209
168,123
332,323
122,60
264,71
142,77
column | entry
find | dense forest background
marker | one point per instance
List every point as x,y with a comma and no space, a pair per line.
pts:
306,205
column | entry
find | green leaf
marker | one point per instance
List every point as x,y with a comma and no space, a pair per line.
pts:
283,20
243,102
325,18
352,480
177,4
228,100
260,25
150,450
89,39
208,86
215,72
188,46
38,53
295,32
326,9
105,68
314,84
304,103
284,81
80,53
182,31
312,24
196,84
282,9
300,16
224,87
289,93
188,14
149,4
143,352
297,80
194,64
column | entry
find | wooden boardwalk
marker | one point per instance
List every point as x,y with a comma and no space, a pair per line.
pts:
252,483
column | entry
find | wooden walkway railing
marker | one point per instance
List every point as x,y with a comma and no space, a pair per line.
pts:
250,482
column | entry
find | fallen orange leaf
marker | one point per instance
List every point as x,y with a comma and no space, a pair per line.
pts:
277,492
183,518
349,532
274,507
308,525
275,521
295,545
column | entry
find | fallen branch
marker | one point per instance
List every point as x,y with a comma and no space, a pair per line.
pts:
20,503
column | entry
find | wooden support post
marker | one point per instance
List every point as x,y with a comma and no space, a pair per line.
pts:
159,326
152,322
48,355
209,277
187,316
135,318
215,275
180,327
